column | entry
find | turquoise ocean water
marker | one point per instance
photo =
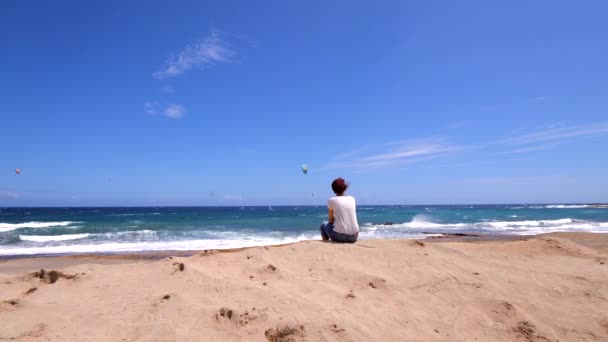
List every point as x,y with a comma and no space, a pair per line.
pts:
27,231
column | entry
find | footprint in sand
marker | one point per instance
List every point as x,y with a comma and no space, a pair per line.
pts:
179,266
224,314
527,330
337,329
9,303
285,333
376,283
35,332
230,315
418,243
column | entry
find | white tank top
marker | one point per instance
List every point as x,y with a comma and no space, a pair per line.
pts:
345,214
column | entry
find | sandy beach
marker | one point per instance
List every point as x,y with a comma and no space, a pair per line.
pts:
545,288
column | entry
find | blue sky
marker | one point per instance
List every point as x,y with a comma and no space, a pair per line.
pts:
165,103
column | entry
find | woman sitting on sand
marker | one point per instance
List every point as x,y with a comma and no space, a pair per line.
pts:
342,225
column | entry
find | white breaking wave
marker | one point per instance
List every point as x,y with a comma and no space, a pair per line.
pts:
142,233
507,224
566,206
45,238
529,227
5,227
66,237
154,246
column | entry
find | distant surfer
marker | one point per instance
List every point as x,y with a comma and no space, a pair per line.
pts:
342,210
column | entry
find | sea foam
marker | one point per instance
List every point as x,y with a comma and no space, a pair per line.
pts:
527,227
185,245
5,227
46,238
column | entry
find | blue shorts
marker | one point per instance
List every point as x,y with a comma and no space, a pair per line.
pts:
327,231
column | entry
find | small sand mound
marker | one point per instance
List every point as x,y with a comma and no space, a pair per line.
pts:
285,334
51,277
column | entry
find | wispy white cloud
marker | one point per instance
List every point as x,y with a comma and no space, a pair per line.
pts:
392,154
532,148
204,53
175,111
484,162
407,152
172,111
554,135
550,136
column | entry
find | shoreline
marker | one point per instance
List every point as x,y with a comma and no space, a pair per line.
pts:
159,254
20,262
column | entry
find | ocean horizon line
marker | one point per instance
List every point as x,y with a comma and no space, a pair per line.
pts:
306,205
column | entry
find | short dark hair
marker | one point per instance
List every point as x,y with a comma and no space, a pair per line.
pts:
339,185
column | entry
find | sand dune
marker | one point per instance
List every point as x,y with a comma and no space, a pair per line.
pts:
549,288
